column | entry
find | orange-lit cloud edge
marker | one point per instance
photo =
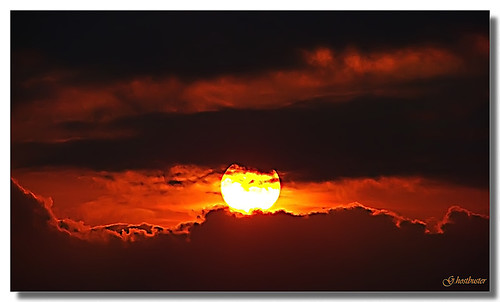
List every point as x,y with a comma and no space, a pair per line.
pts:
135,232
339,74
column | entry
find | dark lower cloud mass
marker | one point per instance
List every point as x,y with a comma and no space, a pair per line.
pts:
346,249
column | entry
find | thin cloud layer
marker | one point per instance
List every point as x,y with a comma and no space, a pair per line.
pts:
442,136
165,198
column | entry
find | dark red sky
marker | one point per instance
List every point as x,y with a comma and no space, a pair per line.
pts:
125,121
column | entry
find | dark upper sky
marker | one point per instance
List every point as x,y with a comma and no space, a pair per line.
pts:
323,94
199,44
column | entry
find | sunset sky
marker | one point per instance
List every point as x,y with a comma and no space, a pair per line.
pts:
122,125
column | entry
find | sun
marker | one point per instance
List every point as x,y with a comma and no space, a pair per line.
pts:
245,189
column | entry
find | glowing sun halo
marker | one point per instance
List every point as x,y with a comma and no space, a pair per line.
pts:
245,189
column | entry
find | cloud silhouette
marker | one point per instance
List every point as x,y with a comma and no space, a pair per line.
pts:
353,248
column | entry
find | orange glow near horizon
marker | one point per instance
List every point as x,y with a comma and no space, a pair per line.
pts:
182,193
245,190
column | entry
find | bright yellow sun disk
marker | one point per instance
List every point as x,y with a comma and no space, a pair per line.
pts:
245,190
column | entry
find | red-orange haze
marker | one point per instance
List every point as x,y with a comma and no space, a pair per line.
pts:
168,198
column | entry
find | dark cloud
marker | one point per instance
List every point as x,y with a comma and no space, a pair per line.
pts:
175,183
345,249
443,135
110,45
